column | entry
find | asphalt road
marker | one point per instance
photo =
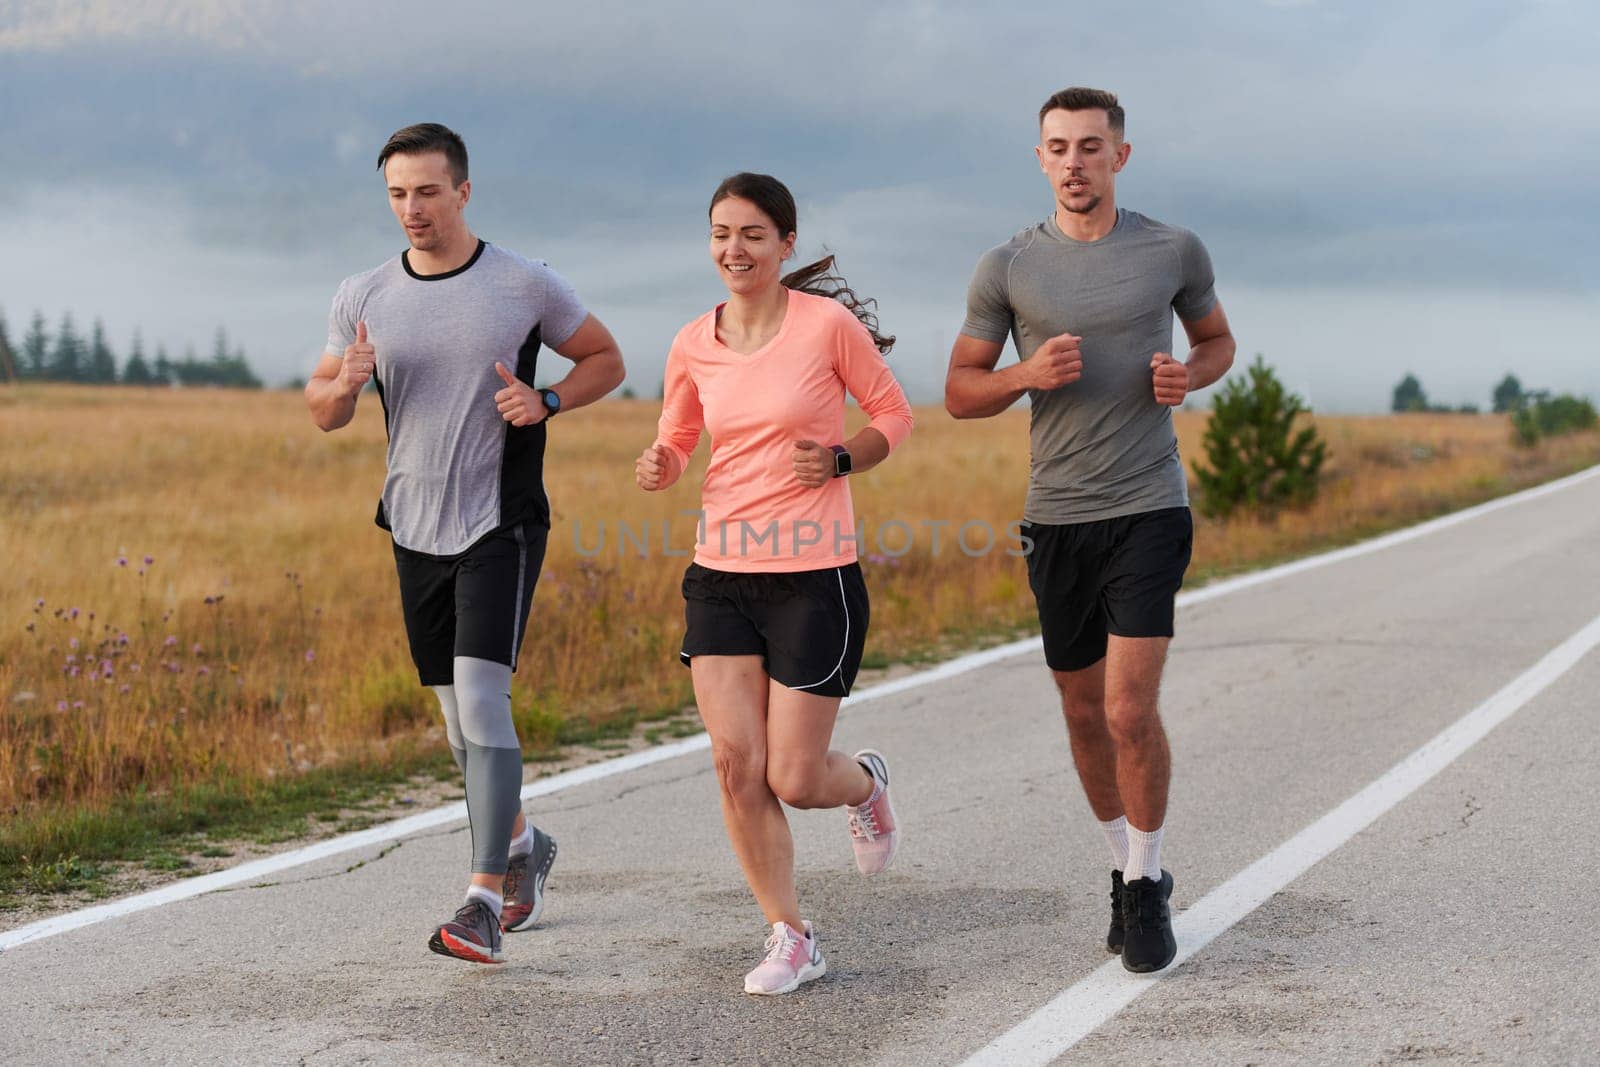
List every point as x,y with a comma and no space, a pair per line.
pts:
1459,926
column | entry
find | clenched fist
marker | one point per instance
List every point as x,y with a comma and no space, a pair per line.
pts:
360,360
1055,363
650,469
813,464
1171,379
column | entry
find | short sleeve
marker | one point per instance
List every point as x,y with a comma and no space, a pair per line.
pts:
562,312
1197,293
341,322
989,316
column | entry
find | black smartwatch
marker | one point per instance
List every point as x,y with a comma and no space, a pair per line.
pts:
552,402
841,461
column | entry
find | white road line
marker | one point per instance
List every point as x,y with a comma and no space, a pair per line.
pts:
256,870
1077,1011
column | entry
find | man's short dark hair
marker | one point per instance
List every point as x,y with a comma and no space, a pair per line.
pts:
1078,98
427,137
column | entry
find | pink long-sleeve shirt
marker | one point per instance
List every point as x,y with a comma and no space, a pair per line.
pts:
758,517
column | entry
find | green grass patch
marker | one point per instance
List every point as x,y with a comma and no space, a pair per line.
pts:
56,850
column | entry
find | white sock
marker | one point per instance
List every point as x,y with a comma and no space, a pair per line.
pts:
1116,832
522,844
488,896
1144,855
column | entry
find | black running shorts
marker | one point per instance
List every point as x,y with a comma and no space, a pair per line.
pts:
1112,576
474,604
808,627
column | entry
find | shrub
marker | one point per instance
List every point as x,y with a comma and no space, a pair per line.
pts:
1254,456
1543,415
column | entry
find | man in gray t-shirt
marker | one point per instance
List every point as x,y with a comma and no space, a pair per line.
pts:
1087,296
449,332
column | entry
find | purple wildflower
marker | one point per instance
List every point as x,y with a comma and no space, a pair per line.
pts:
170,641
203,670
311,655
61,705
122,561
149,560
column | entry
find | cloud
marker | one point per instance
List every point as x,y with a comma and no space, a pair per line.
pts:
55,25
226,148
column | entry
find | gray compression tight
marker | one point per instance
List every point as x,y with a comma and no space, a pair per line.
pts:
477,720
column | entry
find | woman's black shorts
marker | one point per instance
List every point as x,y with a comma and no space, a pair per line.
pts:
808,627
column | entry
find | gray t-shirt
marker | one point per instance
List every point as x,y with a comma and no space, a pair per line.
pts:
457,469
1101,447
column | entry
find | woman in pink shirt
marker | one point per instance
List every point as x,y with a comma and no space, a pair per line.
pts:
775,603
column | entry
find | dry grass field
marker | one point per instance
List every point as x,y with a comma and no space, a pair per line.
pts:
194,592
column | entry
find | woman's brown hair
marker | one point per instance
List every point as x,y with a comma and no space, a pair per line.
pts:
819,278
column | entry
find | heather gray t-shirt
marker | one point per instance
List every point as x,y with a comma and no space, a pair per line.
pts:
1101,447
457,469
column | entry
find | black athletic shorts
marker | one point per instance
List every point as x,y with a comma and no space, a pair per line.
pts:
808,627
474,604
1112,576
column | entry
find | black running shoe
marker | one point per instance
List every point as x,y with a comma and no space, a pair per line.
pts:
1115,934
1148,944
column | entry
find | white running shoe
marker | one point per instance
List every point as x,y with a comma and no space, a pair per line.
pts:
793,958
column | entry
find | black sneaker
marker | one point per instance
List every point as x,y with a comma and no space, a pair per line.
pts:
1115,934
1148,944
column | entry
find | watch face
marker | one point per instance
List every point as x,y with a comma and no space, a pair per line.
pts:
552,400
841,461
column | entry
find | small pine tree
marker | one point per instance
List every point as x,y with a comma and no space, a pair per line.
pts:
1409,396
68,364
102,362
1508,394
8,355
1254,456
164,372
36,348
136,371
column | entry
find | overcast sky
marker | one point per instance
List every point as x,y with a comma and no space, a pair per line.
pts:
1384,187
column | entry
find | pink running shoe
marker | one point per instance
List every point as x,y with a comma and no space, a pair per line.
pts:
872,828
793,959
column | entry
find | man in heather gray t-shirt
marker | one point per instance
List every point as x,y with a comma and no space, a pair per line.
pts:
1088,296
1102,446
449,332
456,470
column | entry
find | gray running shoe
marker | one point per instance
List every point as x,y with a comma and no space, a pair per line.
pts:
474,934
524,886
